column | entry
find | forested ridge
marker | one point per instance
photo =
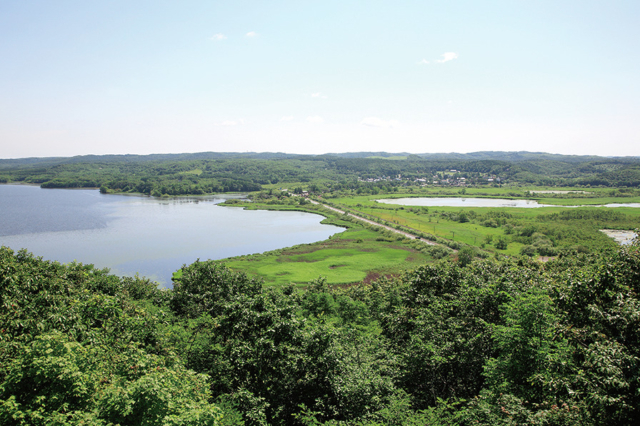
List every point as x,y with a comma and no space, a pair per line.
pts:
205,173
499,341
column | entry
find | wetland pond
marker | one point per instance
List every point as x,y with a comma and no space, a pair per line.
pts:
138,234
624,238
481,202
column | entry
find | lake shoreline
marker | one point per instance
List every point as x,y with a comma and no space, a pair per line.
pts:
146,235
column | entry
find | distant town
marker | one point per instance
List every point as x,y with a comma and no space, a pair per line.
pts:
443,178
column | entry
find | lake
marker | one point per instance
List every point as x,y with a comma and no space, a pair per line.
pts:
138,234
482,202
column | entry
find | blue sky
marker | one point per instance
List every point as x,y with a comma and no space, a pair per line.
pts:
116,77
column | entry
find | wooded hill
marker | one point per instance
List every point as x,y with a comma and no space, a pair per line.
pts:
204,173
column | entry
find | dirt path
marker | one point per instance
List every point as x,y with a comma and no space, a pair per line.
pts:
370,222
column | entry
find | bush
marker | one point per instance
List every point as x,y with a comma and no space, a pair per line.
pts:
501,243
528,250
490,223
438,252
465,256
508,228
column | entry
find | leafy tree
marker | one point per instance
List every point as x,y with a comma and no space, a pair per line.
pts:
55,380
498,341
77,348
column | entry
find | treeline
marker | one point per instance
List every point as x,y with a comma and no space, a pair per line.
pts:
609,173
509,156
160,176
495,342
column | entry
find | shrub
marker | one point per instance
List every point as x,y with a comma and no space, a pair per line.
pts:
501,243
528,250
438,252
465,256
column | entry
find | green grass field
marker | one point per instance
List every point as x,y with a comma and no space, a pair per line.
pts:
355,255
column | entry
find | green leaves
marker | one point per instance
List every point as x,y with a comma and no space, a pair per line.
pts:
75,349
494,342
204,287
57,379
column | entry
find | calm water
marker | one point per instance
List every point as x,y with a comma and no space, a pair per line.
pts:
153,237
463,202
483,202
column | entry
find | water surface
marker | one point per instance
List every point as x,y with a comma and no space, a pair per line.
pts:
462,202
136,234
483,202
622,237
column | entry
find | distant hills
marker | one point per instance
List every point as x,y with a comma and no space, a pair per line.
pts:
133,158
210,172
514,156
508,156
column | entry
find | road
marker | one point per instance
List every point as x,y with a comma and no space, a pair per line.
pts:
370,222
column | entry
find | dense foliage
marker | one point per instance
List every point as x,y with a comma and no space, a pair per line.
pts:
496,341
77,346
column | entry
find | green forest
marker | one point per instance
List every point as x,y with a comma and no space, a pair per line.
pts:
495,342
468,316
206,173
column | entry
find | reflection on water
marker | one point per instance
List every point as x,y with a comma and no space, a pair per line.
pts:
153,237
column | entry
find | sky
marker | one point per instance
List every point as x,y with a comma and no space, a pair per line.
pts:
310,77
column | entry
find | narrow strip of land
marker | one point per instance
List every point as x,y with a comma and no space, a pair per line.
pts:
371,222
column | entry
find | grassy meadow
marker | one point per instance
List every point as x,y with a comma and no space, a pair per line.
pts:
355,255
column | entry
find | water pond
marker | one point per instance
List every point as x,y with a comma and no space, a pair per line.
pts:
482,202
621,237
558,192
135,234
463,202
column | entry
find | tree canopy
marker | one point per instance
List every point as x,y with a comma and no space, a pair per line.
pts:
494,341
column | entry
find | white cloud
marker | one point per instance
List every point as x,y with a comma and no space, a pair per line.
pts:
287,118
424,61
315,119
218,37
251,34
319,95
230,123
378,122
447,56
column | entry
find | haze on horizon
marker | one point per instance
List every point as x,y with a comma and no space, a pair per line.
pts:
314,77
